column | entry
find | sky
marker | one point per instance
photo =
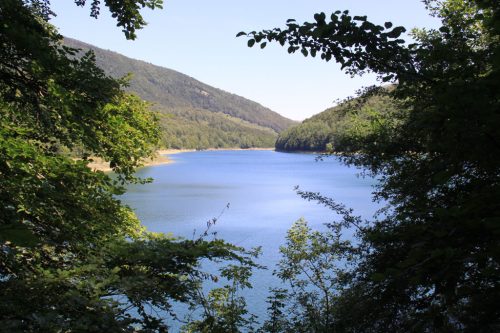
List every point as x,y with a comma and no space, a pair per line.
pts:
197,38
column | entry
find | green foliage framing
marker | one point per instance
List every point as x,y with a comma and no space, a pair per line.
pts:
72,257
126,12
430,263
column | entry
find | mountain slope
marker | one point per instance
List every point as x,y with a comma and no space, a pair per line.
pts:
201,129
193,106
337,128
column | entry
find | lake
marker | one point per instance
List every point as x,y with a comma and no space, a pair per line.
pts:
259,186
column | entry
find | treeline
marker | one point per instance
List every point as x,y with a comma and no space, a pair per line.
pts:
337,128
201,129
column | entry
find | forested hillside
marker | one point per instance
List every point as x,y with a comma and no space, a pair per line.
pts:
193,114
201,129
336,128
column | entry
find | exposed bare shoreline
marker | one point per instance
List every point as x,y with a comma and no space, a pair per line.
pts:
100,165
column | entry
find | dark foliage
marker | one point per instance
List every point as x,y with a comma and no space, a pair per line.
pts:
72,257
430,263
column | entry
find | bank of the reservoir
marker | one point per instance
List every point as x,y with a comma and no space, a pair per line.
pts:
161,157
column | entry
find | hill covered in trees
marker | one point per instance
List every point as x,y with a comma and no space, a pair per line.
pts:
193,114
337,128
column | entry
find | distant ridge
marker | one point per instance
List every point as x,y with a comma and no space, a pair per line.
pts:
186,102
333,128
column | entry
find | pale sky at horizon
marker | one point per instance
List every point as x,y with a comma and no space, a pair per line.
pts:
197,38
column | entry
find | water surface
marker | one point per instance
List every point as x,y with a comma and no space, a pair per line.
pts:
259,188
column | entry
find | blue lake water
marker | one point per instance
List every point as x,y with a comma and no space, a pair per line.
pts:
259,188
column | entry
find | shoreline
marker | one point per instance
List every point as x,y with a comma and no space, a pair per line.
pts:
253,148
98,164
161,157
